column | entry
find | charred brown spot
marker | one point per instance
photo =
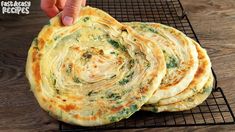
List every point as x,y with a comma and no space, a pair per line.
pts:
119,60
44,100
76,48
191,62
34,56
143,89
85,118
129,103
68,107
116,109
93,117
36,71
41,43
123,29
87,55
165,86
101,52
200,71
52,101
92,76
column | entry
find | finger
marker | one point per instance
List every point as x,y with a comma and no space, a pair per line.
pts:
60,4
84,3
71,11
48,6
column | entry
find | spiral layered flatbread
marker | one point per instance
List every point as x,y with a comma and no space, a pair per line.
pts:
180,54
199,80
94,72
187,103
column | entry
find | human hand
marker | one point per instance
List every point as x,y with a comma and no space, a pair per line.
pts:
70,9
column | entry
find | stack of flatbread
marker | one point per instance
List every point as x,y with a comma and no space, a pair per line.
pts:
99,71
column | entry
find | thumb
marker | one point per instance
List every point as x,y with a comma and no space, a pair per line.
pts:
71,11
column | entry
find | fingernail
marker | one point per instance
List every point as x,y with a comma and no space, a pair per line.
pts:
68,20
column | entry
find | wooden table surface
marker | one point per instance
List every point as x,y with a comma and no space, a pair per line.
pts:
212,20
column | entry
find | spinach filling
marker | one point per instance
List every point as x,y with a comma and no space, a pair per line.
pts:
114,53
76,80
36,43
92,93
126,79
49,23
131,63
86,19
206,90
123,81
147,28
96,38
154,109
117,45
113,96
54,82
147,64
126,111
113,76
113,119
152,30
56,37
53,79
78,35
69,69
114,43
133,107
57,91
172,63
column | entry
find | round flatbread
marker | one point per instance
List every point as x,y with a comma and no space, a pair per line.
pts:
94,72
199,80
186,104
180,54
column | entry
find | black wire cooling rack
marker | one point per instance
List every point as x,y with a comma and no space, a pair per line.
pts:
214,111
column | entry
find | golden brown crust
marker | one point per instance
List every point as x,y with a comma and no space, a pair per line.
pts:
71,107
187,103
180,54
200,78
